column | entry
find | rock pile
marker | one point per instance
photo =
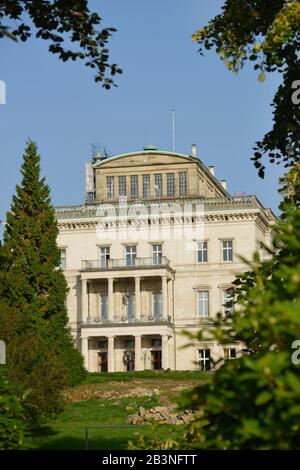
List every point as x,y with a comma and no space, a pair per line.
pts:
163,414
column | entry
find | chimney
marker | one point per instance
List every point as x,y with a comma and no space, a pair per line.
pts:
212,170
224,184
194,151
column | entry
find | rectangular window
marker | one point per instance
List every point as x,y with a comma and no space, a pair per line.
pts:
104,256
227,250
170,184
103,307
63,258
182,184
130,254
204,360
130,307
103,344
129,343
203,303
157,254
202,252
110,187
227,298
158,186
229,353
156,305
122,185
146,186
134,186
155,342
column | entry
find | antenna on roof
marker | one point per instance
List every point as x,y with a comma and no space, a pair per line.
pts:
100,151
173,130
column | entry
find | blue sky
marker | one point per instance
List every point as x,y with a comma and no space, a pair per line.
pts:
60,106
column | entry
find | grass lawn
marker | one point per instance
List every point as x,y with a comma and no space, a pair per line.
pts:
93,377
67,432
107,399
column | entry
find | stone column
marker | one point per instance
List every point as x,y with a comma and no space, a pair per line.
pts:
84,301
138,353
164,297
111,354
85,351
170,299
148,309
138,298
111,303
165,351
172,353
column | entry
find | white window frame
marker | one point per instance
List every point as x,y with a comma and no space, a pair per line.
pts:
157,253
157,301
104,254
146,181
203,303
158,185
170,184
130,302
227,298
103,311
110,187
63,259
130,254
227,251
122,185
134,186
202,248
182,183
204,358
230,357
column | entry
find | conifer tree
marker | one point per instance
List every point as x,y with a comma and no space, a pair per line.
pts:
33,316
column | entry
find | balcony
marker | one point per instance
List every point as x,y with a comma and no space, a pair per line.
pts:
96,321
124,263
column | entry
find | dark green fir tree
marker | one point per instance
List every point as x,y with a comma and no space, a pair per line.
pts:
33,318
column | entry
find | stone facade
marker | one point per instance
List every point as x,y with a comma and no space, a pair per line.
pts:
153,255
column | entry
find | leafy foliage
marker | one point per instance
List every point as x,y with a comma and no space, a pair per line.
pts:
266,32
53,19
33,317
253,402
12,416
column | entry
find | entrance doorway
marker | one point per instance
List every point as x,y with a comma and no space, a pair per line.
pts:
103,361
156,360
129,361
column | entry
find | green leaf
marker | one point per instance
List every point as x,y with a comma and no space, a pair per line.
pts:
263,398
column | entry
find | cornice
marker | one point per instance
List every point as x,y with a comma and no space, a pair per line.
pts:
92,224
210,204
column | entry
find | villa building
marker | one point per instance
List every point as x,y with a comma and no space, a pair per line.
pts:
153,252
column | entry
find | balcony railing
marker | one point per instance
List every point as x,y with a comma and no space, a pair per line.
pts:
128,263
95,320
